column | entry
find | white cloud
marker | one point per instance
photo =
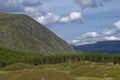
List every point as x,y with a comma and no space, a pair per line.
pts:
75,41
90,35
33,11
83,41
51,18
86,3
74,16
91,3
112,38
65,19
86,38
111,32
117,24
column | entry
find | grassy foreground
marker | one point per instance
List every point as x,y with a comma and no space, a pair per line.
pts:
64,71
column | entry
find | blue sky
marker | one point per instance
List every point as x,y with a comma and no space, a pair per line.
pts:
76,21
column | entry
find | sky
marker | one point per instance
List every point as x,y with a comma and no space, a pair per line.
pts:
78,22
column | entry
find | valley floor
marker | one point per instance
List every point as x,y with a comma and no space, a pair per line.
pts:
63,71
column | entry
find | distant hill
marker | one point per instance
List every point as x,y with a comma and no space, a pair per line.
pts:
22,33
102,46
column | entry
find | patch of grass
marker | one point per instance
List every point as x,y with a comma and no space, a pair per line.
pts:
35,74
99,71
88,78
63,71
17,66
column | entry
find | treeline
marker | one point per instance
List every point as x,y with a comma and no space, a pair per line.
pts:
8,57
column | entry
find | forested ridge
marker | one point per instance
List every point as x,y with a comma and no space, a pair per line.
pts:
8,57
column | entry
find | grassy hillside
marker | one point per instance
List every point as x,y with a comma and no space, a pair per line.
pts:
87,69
17,66
64,71
20,32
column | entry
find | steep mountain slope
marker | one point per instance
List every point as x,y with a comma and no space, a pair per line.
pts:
102,46
22,33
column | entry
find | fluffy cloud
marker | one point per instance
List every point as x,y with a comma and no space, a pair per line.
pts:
74,16
51,18
75,41
112,38
86,3
90,35
111,32
117,24
91,3
86,38
33,11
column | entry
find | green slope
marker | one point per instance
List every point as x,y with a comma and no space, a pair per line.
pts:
22,33
87,70
64,71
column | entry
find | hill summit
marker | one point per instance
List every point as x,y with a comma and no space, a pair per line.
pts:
22,33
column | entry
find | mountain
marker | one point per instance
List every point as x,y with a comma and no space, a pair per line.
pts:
22,33
102,46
